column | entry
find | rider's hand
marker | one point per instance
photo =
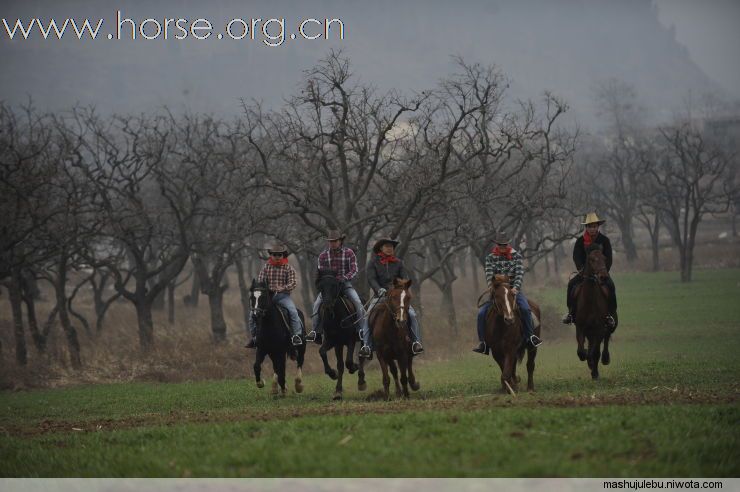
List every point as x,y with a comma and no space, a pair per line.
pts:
381,292
515,291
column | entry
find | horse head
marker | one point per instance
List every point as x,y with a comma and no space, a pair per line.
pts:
399,299
329,287
595,263
503,298
260,298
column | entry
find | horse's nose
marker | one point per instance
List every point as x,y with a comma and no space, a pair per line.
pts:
509,320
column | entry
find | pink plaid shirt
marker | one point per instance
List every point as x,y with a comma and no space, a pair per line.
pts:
343,261
279,278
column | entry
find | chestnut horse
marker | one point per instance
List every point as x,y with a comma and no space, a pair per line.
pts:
339,320
389,324
273,339
592,307
505,334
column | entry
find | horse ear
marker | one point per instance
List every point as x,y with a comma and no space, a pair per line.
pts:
409,282
397,282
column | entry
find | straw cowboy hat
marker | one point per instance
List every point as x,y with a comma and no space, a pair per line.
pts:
277,248
592,218
501,238
384,240
335,235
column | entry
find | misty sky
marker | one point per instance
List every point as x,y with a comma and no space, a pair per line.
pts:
565,46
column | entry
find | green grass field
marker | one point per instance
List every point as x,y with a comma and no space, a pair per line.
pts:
666,406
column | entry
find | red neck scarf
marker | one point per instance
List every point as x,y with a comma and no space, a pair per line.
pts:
588,238
385,259
274,262
505,252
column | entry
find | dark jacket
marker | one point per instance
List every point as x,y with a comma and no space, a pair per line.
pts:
579,251
381,276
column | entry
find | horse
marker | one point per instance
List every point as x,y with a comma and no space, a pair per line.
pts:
274,339
389,324
592,308
504,334
339,320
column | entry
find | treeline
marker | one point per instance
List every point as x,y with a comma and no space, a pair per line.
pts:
140,202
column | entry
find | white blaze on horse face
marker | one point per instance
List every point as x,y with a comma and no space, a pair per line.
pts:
257,295
403,296
508,306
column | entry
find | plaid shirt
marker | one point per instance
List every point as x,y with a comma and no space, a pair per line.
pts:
342,261
499,265
279,278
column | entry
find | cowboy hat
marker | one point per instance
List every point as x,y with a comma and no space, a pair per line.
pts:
384,240
592,218
277,248
501,238
335,235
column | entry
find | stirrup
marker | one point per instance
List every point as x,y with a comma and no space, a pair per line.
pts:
365,352
311,337
535,340
252,343
482,348
296,340
568,319
417,348
611,323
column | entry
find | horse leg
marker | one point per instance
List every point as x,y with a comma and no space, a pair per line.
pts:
413,383
340,370
531,355
299,369
349,362
581,339
593,357
507,383
259,358
280,366
386,378
322,352
361,383
394,372
605,357
403,365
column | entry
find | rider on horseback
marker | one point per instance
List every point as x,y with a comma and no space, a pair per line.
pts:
343,261
381,270
591,235
281,279
504,260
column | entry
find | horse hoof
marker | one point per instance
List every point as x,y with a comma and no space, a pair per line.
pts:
361,386
337,396
594,376
582,354
606,358
332,374
261,383
298,387
352,369
415,386
283,392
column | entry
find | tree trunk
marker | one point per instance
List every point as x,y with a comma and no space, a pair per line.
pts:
655,243
474,266
215,303
15,297
243,291
69,331
171,302
625,227
307,281
39,340
194,296
145,323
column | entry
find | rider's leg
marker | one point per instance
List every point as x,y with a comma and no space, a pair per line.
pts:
315,320
570,300
361,324
526,314
481,325
415,330
285,300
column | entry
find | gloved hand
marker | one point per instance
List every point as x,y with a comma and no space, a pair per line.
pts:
381,292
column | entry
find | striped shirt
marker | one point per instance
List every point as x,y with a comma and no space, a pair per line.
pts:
499,265
342,261
279,278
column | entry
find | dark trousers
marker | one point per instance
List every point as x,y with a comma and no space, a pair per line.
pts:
611,288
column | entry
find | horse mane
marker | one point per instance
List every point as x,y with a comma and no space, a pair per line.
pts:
594,247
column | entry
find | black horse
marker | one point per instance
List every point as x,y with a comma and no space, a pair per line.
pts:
339,320
273,338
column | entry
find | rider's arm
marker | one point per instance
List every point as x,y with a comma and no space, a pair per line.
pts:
607,250
262,277
292,281
579,254
518,271
352,266
490,271
372,276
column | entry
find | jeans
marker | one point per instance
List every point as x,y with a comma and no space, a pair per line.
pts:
524,312
351,294
283,299
415,328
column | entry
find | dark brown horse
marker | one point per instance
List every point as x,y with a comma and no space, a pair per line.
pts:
505,334
592,308
389,324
